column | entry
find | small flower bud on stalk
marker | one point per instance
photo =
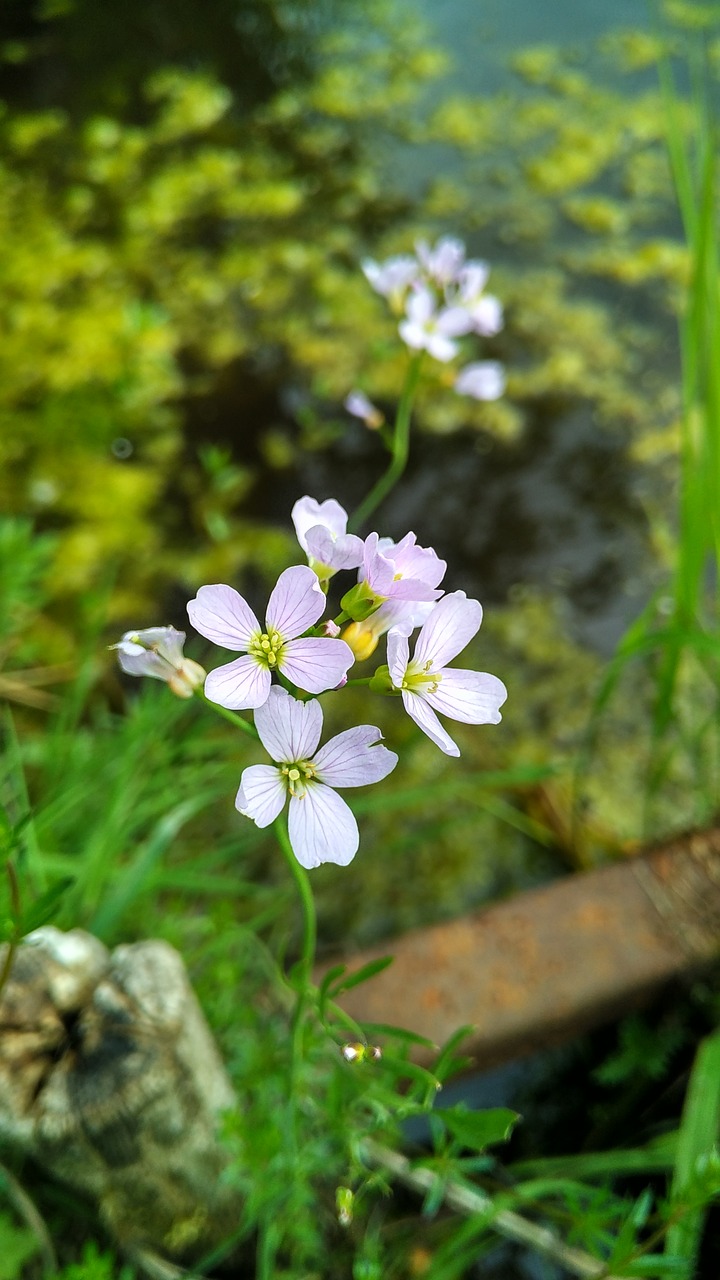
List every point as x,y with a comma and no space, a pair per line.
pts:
158,652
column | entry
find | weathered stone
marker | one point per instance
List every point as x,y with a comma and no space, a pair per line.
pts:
111,1081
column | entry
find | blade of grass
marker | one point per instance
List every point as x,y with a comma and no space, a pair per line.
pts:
699,1131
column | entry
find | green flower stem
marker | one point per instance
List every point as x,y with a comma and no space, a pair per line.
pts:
300,875
400,448
342,617
231,716
305,966
365,680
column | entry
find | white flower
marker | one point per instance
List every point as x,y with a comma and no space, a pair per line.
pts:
321,531
392,277
443,263
427,329
357,403
313,663
427,685
484,380
321,827
158,652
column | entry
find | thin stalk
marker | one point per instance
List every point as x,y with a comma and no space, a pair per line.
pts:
25,1208
307,902
305,965
471,1200
400,448
15,907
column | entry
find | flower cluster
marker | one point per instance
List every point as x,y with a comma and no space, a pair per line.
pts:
297,652
440,296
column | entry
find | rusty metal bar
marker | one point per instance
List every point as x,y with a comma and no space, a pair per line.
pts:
554,961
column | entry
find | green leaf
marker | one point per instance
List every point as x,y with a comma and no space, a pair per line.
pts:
699,1128
45,907
479,1129
361,975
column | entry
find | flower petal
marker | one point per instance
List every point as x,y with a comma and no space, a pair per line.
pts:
487,316
453,322
289,729
398,653
316,664
475,697
354,758
440,347
484,380
451,625
411,589
322,828
377,570
240,685
296,603
220,613
308,512
343,551
425,719
262,793
412,561
142,662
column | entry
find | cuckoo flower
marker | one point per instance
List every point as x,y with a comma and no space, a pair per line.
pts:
428,685
320,824
443,263
297,601
358,404
158,652
484,380
401,570
485,310
320,529
427,329
393,277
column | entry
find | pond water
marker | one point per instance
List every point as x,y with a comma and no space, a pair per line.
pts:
560,509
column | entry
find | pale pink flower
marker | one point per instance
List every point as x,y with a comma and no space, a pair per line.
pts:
393,277
401,570
484,309
158,652
321,532
428,685
427,329
297,601
484,380
443,263
321,826
358,404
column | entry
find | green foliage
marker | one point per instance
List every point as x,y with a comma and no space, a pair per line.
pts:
644,1052
17,1246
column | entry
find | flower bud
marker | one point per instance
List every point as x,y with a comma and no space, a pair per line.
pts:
188,677
362,640
158,652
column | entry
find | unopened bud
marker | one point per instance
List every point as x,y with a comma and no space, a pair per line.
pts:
362,640
330,628
188,677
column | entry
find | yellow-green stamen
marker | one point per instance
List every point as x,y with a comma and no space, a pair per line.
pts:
266,647
298,775
421,679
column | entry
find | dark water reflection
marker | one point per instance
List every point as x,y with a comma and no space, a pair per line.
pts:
557,510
